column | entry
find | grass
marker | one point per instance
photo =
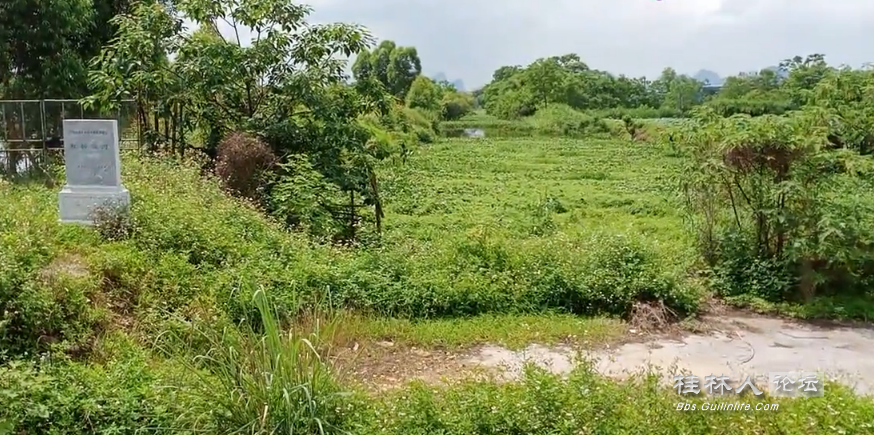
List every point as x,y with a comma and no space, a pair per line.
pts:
837,308
514,184
512,331
273,381
509,241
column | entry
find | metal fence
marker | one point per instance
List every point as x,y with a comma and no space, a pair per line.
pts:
31,131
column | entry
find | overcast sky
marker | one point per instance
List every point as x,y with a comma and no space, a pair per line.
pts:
469,39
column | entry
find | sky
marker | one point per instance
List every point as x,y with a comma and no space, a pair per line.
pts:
470,39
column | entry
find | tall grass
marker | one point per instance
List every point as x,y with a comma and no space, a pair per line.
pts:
267,382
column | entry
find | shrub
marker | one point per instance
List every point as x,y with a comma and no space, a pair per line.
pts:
455,105
424,94
113,221
73,399
644,112
774,216
421,123
542,403
751,106
241,162
486,273
563,120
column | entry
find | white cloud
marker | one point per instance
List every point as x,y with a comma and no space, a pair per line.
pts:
469,39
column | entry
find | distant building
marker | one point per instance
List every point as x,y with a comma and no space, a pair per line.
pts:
709,90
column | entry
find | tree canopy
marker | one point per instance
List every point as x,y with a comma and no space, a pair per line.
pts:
393,66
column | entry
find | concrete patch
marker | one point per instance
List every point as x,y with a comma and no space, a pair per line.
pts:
754,347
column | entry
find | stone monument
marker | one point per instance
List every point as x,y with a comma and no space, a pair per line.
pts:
93,163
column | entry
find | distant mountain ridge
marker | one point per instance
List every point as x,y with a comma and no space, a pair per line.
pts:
709,77
714,79
458,83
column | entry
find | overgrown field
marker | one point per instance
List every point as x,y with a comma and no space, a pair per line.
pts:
519,233
472,227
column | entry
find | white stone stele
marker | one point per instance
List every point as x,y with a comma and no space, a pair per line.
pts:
93,164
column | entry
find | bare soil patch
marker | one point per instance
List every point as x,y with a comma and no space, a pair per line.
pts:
732,343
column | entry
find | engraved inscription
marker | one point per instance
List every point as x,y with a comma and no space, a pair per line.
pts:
91,154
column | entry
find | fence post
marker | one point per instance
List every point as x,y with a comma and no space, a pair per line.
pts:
42,119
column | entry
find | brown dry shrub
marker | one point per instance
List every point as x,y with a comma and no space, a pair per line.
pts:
641,136
241,162
748,158
651,317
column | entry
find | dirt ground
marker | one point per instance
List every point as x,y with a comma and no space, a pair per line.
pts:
727,343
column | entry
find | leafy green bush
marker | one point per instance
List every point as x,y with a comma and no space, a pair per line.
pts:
644,112
775,211
71,398
423,94
543,403
422,124
455,105
562,120
751,106
484,273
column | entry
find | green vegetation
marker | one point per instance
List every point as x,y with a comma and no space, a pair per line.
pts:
281,214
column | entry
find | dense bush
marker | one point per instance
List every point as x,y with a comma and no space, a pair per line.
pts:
637,113
543,403
562,120
70,398
129,397
455,105
775,210
762,105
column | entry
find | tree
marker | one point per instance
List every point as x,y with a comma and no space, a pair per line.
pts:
517,91
424,94
45,46
394,66
803,75
683,93
773,207
287,87
505,72
41,45
455,105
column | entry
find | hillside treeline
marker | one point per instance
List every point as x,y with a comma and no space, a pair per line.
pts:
517,91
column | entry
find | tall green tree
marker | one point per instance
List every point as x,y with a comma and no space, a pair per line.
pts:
45,45
41,47
287,86
393,66
424,94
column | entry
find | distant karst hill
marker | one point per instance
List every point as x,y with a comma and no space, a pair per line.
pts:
707,76
715,79
458,83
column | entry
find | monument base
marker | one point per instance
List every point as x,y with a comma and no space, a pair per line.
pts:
78,202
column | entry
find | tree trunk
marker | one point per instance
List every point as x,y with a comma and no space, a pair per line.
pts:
807,285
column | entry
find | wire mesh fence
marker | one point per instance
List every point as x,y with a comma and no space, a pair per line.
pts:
31,131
